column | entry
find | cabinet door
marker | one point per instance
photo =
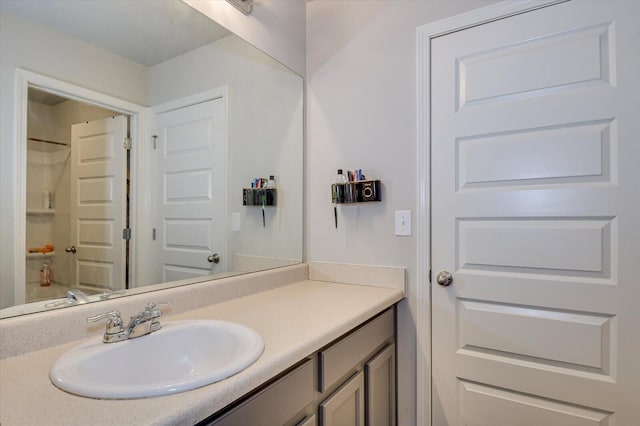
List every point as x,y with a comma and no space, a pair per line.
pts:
380,379
345,407
278,404
309,421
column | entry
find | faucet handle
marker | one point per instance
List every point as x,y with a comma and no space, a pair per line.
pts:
152,305
115,326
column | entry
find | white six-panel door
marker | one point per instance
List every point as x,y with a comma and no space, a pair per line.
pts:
191,182
535,145
98,204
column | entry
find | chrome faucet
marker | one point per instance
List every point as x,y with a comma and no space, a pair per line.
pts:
72,297
141,324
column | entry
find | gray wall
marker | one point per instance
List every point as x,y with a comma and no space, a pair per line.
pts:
361,112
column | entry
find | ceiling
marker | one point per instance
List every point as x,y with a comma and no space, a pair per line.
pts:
145,31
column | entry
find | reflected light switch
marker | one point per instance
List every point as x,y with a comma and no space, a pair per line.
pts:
235,221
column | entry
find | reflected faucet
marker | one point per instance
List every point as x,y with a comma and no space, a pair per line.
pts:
72,297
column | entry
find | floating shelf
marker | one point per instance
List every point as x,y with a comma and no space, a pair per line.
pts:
40,212
40,255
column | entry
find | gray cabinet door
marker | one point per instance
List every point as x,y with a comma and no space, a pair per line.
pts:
345,407
278,404
309,421
380,379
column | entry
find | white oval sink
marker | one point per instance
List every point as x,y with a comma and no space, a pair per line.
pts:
182,355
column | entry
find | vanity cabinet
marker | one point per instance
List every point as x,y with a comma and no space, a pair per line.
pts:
350,382
357,380
283,402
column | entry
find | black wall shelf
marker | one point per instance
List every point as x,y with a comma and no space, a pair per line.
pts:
259,197
362,191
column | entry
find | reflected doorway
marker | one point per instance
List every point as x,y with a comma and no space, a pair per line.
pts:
77,193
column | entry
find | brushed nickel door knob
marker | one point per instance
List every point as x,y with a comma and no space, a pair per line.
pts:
214,258
444,278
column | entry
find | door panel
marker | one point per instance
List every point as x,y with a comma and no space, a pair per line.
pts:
191,193
98,204
534,209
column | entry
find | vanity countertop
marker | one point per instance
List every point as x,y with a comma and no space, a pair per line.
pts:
294,320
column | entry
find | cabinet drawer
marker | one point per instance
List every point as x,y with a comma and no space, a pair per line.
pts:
347,353
276,404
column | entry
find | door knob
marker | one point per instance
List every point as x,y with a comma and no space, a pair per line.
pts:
214,258
71,249
444,278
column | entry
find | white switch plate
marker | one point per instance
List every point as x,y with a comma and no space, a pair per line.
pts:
235,221
403,223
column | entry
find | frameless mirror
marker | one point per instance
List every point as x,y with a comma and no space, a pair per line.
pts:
155,148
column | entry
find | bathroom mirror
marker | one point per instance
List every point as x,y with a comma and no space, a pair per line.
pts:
206,114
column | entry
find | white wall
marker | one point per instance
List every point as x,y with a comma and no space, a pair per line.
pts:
31,46
361,112
277,27
264,135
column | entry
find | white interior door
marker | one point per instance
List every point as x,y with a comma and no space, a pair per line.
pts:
535,212
98,204
191,177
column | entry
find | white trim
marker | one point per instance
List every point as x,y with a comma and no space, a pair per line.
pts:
423,149
24,79
198,98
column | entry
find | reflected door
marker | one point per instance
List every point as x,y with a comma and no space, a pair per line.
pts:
191,177
98,204
535,213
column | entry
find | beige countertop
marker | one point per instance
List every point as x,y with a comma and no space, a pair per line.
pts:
294,320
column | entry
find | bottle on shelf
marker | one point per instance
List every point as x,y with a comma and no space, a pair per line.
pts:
341,177
45,274
271,184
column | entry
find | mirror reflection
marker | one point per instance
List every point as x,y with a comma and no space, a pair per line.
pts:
145,123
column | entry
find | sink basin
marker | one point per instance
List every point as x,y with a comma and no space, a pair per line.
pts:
181,356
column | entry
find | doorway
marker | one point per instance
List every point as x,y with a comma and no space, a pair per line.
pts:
71,157
31,207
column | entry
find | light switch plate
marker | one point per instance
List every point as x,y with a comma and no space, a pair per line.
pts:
235,221
403,223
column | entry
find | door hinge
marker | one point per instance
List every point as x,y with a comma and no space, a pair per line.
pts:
429,275
126,234
155,141
153,234
127,143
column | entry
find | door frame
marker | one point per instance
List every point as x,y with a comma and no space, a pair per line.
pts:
138,117
424,35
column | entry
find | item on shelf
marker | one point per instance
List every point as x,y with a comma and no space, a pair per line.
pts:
47,199
46,249
45,274
262,193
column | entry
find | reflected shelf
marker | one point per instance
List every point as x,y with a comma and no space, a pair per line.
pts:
39,255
